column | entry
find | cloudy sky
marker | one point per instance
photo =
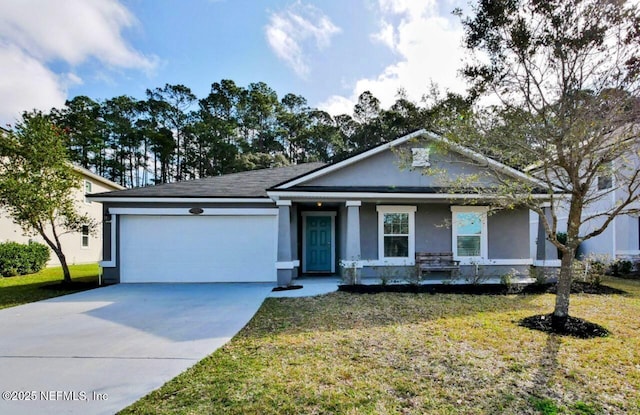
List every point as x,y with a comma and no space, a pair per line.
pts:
328,51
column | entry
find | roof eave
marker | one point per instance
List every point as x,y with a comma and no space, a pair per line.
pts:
177,199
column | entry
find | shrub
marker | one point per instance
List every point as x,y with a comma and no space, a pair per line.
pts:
626,267
21,259
477,276
621,267
592,269
412,275
538,274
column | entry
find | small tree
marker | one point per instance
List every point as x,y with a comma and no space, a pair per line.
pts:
566,75
37,181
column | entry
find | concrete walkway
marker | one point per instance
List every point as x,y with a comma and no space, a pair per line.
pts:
98,351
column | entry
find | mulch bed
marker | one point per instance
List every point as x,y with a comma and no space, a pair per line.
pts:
287,288
580,287
575,327
477,289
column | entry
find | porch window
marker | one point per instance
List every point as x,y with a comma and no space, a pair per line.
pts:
469,231
396,234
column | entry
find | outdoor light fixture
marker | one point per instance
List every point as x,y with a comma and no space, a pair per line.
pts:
319,204
196,211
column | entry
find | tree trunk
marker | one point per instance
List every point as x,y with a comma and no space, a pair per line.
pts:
563,287
56,247
58,251
65,268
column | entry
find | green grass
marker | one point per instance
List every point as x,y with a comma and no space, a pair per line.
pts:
28,288
415,354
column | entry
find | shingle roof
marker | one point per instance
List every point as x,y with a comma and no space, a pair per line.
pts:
251,183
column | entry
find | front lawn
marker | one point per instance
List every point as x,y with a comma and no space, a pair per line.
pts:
416,354
29,288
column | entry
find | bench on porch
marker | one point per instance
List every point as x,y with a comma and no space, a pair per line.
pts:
437,261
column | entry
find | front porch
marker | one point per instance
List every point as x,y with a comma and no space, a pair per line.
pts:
377,240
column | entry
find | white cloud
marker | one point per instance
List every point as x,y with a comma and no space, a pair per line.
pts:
336,105
291,32
428,46
25,84
35,33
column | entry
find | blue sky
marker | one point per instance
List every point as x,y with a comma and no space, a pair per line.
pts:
328,51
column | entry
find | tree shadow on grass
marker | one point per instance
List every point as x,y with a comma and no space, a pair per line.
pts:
14,295
539,395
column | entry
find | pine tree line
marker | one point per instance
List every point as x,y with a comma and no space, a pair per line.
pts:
172,135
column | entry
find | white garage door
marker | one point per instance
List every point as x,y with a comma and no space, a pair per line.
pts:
197,248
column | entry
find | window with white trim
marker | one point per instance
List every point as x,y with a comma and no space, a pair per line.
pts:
85,236
396,234
469,232
87,190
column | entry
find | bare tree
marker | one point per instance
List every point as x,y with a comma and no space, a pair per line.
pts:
565,74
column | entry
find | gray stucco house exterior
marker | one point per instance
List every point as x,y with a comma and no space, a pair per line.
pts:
370,213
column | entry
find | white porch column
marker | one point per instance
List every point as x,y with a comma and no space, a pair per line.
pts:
284,265
353,230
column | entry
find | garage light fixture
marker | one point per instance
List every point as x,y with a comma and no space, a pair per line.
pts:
196,211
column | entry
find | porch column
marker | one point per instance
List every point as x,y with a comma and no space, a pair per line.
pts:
284,265
353,230
353,253
546,251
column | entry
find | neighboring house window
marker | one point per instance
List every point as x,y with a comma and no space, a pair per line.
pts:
469,231
85,236
87,190
605,181
396,234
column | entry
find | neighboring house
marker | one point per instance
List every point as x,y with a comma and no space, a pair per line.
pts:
79,247
365,212
621,239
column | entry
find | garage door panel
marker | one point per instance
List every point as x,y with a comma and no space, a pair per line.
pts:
197,248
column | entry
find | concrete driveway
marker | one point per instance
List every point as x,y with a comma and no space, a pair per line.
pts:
98,351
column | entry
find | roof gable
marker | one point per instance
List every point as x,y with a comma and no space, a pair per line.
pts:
383,167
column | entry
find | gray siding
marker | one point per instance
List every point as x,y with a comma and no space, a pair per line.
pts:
433,232
369,231
106,237
508,231
388,169
508,234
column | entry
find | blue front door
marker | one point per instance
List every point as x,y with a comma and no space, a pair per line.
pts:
318,247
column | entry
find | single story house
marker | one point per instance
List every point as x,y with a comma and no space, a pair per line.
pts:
370,213
84,247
